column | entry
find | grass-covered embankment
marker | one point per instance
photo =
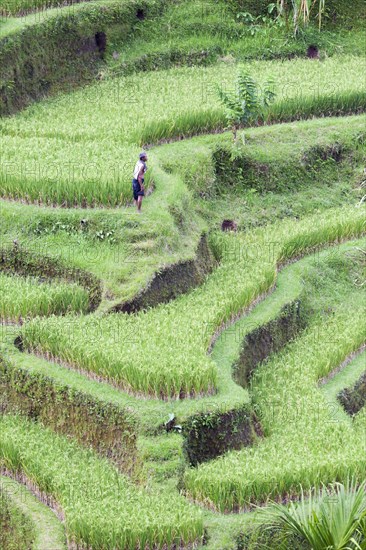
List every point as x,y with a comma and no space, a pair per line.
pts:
74,37
80,37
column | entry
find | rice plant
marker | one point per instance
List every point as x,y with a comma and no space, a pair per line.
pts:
24,297
102,508
51,153
139,353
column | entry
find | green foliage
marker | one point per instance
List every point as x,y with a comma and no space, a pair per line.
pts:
162,353
299,11
28,297
102,508
156,364
200,34
293,412
332,519
248,104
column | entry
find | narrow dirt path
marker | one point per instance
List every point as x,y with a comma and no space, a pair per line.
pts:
50,532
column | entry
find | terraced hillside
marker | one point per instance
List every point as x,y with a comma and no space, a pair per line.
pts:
164,381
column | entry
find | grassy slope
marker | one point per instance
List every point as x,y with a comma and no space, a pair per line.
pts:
153,413
47,530
21,8
200,32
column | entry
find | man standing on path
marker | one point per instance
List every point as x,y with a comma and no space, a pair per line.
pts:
138,180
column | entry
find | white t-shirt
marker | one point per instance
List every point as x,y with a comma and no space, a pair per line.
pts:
139,164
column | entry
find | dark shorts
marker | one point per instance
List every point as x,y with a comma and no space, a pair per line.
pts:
136,188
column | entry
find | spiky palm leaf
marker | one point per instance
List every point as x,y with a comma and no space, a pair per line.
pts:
326,521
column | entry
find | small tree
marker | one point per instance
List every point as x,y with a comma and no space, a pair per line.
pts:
247,104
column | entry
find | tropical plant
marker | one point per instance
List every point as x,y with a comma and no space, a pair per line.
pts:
326,520
246,106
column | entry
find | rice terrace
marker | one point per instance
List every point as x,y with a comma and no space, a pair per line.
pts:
182,274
